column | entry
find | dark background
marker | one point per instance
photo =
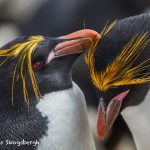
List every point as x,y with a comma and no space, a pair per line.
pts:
60,17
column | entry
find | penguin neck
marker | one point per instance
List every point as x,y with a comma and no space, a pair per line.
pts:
138,120
68,126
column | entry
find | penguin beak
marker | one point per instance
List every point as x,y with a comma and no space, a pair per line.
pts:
73,43
106,117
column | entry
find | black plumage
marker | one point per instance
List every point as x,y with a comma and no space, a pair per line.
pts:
120,71
30,69
112,44
21,121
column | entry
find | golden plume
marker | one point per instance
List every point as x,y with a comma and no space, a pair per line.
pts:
24,52
122,70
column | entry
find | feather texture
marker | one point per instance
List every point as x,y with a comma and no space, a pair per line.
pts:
122,70
23,52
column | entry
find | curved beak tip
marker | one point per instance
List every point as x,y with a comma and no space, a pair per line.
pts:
76,42
85,33
101,135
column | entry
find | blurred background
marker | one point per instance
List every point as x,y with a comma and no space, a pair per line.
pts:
60,17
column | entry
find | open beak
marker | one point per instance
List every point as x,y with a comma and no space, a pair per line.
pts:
106,117
76,42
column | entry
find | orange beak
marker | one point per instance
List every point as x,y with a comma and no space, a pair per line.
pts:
106,117
76,42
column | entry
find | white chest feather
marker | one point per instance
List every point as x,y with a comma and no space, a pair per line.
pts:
68,127
138,121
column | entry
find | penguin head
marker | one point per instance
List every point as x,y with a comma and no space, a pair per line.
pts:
120,69
36,65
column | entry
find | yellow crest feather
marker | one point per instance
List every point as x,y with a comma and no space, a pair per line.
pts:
122,70
24,52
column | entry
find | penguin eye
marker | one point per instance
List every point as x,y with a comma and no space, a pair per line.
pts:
37,65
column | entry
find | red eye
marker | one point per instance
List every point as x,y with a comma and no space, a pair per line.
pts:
37,65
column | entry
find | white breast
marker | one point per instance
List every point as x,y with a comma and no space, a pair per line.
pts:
68,127
138,121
